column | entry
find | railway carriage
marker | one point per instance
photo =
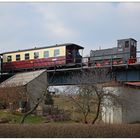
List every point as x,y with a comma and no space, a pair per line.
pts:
58,55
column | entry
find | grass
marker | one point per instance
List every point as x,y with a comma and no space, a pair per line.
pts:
69,131
16,117
35,127
66,104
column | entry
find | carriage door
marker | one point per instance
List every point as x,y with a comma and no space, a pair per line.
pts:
69,56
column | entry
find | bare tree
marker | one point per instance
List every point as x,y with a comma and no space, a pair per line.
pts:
90,91
37,91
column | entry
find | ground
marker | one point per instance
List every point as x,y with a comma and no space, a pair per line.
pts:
69,131
39,127
15,117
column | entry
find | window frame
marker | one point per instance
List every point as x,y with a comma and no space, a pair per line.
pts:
27,57
19,58
56,54
126,44
36,56
9,60
46,52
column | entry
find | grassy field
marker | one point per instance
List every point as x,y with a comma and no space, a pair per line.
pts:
69,131
16,117
67,105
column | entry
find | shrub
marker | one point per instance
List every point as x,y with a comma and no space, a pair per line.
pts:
5,120
2,104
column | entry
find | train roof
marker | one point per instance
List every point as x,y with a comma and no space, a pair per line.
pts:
52,46
126,39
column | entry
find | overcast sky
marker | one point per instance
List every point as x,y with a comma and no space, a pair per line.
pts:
28,25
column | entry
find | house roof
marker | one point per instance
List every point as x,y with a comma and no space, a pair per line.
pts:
133,83
21,79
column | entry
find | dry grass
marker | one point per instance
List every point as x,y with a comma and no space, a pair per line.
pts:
69,131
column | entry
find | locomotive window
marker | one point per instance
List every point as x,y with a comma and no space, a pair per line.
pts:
126,44
9,58
36,55
46,54
56,52
120,49
119,45
17,57
27,56
132,43
135,44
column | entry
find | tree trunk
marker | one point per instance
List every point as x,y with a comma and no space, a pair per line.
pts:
29,112
98,111
85,118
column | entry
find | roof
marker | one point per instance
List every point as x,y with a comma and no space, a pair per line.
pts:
127,39
133,83
21,79
37,48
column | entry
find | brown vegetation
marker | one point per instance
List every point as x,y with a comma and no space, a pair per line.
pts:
57,130
11,96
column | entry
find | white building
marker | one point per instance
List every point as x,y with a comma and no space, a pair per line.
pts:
127,110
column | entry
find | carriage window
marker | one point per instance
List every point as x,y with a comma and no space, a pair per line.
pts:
27,56
17,57
36,55
46,54
77,53
56,52
69,53
9,58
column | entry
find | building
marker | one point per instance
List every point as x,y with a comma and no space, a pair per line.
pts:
24,87
126,108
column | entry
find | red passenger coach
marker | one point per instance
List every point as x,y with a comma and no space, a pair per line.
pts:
45,57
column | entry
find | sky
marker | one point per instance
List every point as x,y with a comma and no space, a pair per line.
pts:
91,25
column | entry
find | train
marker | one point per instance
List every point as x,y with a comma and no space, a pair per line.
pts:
59,55
68,55
124,53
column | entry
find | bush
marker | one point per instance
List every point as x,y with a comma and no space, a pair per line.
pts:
5,120
58,117
2,104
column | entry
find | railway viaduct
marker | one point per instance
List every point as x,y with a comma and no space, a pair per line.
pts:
70,76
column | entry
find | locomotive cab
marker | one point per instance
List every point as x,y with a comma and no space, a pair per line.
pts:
128,48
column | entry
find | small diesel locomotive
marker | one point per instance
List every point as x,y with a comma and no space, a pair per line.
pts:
124,53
